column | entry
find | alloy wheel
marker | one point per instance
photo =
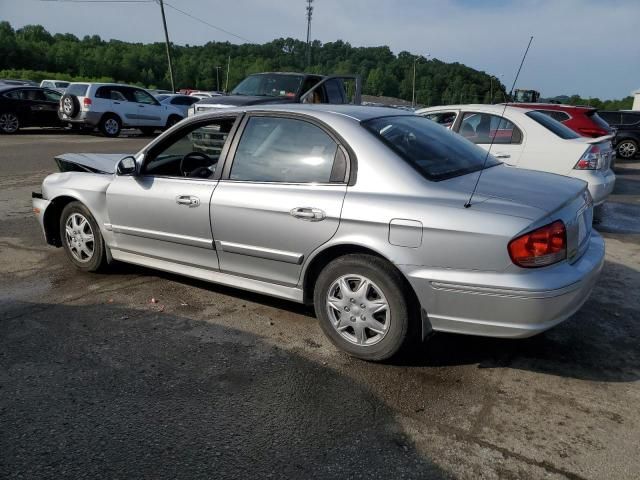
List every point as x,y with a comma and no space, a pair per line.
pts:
111,126
627,149
358,310
9,123
79,237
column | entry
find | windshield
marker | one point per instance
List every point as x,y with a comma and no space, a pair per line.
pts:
554,126
436,152
269,85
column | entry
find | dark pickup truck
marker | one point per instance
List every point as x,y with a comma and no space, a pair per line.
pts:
282,87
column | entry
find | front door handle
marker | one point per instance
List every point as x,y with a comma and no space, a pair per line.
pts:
308,213
188,200
502,155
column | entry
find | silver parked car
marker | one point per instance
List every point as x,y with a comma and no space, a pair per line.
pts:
361,211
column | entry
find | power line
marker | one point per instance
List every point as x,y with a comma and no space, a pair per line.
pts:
98,1
207,23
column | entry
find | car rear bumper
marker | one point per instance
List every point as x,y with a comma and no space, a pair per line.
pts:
600,183
510,305
86,118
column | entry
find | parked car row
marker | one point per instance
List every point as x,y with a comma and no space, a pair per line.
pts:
528,138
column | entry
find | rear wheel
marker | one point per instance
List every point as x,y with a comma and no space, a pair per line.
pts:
627,149
9,122
172,120
362,308
110,126
81,238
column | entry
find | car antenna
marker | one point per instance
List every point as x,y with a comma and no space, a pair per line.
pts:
493,137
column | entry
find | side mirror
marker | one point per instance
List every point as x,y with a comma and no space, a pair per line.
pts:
127,166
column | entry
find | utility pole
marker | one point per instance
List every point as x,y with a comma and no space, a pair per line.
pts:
226,85
217,78
166,39
309,14
413,94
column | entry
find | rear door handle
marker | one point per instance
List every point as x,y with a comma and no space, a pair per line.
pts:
188,200
308,213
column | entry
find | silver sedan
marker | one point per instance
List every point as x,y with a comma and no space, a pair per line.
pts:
364,212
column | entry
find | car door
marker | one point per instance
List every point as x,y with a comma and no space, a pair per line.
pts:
162,212
116,99
504,139
39,110
150,112
279,199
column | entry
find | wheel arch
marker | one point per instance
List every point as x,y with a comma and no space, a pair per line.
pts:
51,220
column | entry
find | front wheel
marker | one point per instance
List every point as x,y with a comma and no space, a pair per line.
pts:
9,122
362,308
81,238
627,149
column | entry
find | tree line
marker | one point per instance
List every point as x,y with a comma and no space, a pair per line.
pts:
34,53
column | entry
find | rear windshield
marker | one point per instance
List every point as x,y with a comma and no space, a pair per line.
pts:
77,89
436,152
61,84
554,126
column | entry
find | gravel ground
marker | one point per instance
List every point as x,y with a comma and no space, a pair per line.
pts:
98,381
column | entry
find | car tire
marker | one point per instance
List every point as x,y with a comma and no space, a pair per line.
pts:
9,122
172,120
356,320
77,226
627,149
148,131
70,105
110,125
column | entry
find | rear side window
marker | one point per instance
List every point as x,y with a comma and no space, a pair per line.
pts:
283,150
552,125
556,114
612,118
14,94
483,128
77,89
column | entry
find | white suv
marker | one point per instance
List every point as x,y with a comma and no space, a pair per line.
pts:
110,107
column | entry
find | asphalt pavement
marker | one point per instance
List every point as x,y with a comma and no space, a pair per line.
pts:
135,373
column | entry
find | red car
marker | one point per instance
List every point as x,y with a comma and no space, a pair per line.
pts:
583,120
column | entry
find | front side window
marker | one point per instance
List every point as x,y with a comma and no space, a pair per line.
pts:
435,152
284,150
14,94
446,119
141,96
192,154
269,85
552,125
483,128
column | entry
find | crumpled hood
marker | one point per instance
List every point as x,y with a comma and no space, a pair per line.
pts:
89,162
243,100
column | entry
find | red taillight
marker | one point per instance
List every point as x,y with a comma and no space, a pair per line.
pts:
590,160
541,247
592,132
86,101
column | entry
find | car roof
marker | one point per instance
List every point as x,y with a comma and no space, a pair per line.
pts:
480,107
355,112
552,106
287,73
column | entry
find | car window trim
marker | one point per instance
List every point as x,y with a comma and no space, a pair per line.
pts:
191,126
351,170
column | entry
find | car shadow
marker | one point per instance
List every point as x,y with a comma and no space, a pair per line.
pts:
105,391
599,343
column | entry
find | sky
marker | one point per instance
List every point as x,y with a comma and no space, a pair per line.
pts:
588,47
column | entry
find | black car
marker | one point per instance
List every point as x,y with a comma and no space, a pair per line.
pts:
284,87
627,124
23,106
